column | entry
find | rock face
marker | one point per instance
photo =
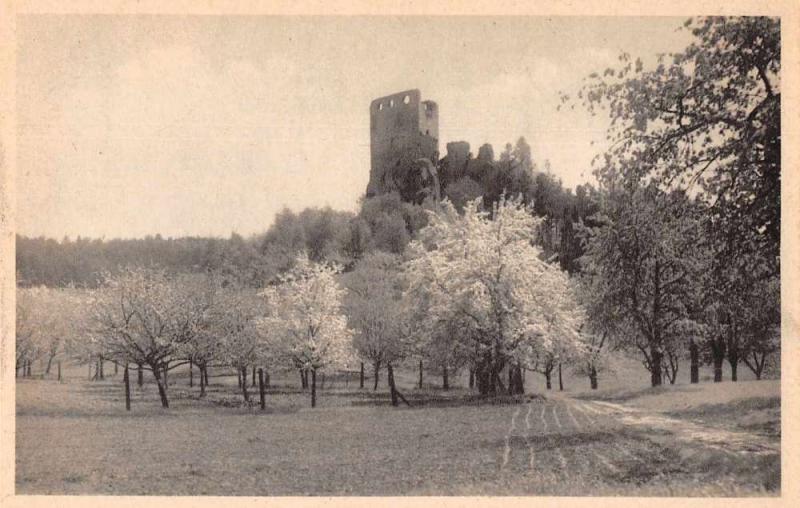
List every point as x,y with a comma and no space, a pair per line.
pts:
404,130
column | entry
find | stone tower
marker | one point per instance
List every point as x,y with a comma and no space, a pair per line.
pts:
403,128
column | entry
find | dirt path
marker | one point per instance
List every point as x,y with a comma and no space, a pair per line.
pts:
726,441
564,434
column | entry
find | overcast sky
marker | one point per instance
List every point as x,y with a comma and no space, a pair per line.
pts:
140,125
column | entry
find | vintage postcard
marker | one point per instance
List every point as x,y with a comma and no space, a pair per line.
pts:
456,254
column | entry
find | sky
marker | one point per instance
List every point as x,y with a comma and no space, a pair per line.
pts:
207,125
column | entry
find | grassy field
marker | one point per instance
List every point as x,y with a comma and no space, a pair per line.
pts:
710,439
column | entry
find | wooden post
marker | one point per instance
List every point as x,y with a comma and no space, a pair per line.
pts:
191,373
420,374
59,370
361,384
253,378
261,387
560,380
127,388
140,379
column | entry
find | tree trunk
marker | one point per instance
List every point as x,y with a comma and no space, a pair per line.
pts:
266,379
261,389
471,379
548,382
499,382
390,378
420,374
166,374
116,368
49,364
445,379
126,379
191,373
493,375
239,377
313,387
560,379
162,387
140,375
58,365
694,359
205,373
253,378
201,367
516,386
593,377
99,370
376,370
718,356
656,359
361,379
244,384
733,360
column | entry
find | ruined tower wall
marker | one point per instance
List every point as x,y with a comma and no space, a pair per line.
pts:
402,128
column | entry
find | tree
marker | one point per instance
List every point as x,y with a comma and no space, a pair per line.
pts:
761,328
305,319
706,119
603,321
27,345
646,254
145,316
485,270
463,191
373,309
233,320
48,319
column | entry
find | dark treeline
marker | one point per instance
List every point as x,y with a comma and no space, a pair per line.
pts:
384,223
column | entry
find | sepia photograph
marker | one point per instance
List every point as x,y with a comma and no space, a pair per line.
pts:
396,255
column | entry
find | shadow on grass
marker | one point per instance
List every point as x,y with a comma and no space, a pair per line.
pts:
427,400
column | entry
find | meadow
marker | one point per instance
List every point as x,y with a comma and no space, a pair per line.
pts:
708,439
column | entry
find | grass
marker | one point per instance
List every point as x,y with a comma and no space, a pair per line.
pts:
76,438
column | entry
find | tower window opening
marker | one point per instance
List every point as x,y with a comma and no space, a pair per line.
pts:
406,99
391,103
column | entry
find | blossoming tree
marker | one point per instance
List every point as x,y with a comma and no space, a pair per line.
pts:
485,268
305,320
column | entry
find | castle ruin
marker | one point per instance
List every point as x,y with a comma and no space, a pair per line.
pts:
404,150
404,134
